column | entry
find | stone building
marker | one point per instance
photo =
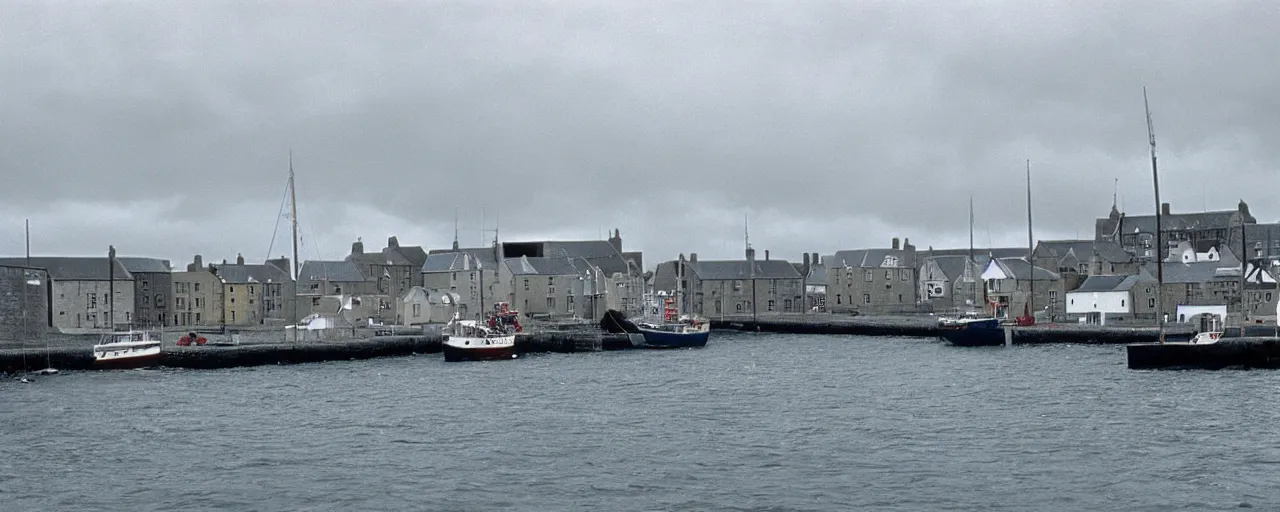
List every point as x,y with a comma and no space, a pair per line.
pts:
1014,286
255,294
1136,233
873,281
197,296
24,302
81,292
152,290
718,288
318,279
1076,260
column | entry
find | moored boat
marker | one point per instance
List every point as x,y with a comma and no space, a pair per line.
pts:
674,331
126,349
468,340
972,332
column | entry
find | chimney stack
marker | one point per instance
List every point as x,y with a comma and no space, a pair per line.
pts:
806,260
1164,208
357,247
895,243
393,243
766,255
816,260
239,259
693,257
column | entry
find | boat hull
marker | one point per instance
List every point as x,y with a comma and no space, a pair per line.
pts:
666,339
983,333
490,353
128,362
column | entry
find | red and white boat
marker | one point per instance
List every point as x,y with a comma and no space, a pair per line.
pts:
468,340
126,349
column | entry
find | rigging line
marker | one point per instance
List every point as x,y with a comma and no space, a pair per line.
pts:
276,231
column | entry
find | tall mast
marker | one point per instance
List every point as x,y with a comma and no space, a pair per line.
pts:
1155,180
973,262
111,287
1031,300
293,219
28,228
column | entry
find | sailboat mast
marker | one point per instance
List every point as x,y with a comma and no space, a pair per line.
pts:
1031,299
1155,180
973,262
293,220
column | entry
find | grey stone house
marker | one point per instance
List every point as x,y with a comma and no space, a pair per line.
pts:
873,281
950,284
392,271
321,278
458,273
80,292
720,288
1013,284
623,271
197,296
1136,233
153,290
544,287
256,293
24,302
1076,260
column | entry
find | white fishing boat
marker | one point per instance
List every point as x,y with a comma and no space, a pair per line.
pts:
468,340
126,349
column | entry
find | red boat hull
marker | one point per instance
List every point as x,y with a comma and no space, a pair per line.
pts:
452,353
129,363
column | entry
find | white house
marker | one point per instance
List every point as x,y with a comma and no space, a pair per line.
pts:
1099,296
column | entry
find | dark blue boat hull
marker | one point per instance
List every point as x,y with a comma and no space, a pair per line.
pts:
663,339
986,333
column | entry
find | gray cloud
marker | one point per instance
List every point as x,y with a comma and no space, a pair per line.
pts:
165,129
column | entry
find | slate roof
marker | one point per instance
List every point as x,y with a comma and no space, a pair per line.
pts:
1179,221
1021,270
484,255
145,265
980,254
542,266
74,268
250,274
1101,283
600,253
339,271
870,258
1083,250
449,262
951,266
817,274
1199,272
738,269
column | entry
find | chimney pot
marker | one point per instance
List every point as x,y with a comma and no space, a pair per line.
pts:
1164,209
693,257
895,243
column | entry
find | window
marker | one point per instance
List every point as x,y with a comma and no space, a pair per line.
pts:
315,286
128,317
570,300
867,276
739,307
159,300
145,287
233,315
1268,297
231,289
315,301
837,298
1121,302
337,289
899,297
551,281
888,275
473,276
253,289
1151,303
906,274
197,287
93,300
526,284
717,305
771,303
737,285
233,300
866,298
199,302
146,300
417,309
551,303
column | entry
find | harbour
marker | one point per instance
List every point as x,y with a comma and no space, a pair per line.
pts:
750,422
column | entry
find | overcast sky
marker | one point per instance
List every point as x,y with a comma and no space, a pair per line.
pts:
164,128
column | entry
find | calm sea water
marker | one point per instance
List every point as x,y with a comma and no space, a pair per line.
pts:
751,422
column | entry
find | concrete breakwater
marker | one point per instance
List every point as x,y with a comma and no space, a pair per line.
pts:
80,357
927,327
1245,353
